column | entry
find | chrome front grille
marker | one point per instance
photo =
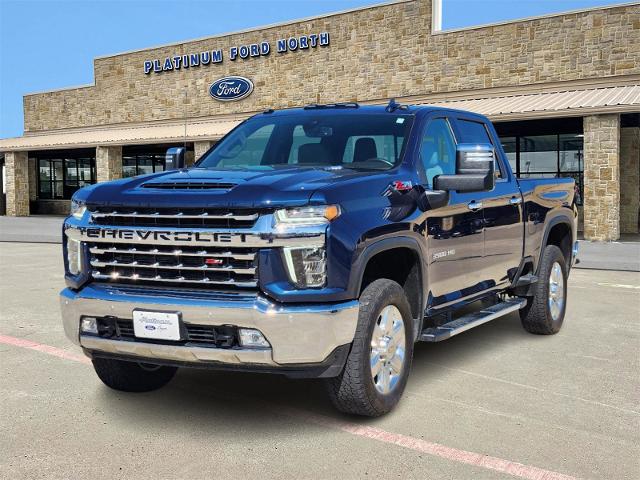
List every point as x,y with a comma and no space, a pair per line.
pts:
174,217
141,264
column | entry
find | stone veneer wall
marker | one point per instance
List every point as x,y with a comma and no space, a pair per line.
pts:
201,147
17,183
375,53
629,179
602,177
108,163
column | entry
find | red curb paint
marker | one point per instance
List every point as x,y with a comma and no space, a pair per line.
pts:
40,347
430,448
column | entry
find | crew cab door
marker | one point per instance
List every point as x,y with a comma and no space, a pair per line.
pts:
501,207
454,232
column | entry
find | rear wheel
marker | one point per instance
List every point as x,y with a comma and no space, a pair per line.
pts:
378,364
544,313
131,376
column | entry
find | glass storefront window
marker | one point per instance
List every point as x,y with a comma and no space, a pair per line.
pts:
571,153
559,155
61,173
144,159
538,154
510,149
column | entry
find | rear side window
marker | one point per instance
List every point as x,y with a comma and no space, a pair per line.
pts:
473,132
476,132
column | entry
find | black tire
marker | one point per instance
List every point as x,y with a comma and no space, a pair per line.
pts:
536,317
131,376
353,391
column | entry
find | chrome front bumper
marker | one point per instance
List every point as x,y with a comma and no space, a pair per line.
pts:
298,334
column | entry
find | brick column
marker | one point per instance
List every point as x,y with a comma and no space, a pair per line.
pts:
17,177
602,177
108,163
201,147
629,179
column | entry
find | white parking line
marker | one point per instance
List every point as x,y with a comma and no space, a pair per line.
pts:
618,285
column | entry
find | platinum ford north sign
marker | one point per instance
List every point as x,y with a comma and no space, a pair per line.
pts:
244,52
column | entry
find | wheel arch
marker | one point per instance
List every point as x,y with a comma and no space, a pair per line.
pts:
559,231
408,269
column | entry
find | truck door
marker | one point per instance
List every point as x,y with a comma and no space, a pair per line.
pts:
454,232
502,207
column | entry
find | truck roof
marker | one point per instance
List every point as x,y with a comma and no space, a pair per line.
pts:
352,108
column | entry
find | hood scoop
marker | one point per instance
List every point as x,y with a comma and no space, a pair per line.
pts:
189,185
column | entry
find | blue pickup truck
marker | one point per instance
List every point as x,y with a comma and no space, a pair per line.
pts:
322,242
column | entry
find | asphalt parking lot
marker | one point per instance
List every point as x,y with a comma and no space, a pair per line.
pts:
494,402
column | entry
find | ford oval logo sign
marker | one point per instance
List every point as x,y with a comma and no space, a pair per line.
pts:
228,89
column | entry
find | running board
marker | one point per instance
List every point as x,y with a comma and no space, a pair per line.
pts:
462,324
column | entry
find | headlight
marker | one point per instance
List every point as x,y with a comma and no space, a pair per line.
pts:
307,266
77,209
307,216
74,256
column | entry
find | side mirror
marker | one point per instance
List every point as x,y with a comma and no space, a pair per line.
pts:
174,158
475,170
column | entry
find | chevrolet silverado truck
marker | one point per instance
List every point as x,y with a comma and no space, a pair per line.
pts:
321,242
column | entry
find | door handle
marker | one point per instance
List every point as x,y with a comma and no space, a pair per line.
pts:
473,205
515,201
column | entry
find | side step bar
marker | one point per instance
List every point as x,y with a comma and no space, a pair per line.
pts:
462,324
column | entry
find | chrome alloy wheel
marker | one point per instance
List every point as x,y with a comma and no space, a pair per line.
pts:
556,291
387,349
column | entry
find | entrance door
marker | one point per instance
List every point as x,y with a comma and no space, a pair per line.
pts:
455,231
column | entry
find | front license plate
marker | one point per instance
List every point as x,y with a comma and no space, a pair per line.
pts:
156,325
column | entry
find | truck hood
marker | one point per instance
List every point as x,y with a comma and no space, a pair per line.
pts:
207,188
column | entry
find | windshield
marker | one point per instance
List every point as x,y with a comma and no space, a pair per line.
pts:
309,139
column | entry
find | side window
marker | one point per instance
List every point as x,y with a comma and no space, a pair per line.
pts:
476,132
438,150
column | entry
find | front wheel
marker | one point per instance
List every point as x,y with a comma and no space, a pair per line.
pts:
544,313
377,368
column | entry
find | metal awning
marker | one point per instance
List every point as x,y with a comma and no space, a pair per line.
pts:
121,135
577,102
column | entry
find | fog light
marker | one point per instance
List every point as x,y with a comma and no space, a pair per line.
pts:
89,325
74,257
252,338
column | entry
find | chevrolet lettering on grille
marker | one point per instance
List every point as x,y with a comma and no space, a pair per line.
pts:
153,236
161,235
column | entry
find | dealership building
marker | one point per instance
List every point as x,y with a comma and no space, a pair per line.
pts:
563,91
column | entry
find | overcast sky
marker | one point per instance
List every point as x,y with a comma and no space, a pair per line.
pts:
51,44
